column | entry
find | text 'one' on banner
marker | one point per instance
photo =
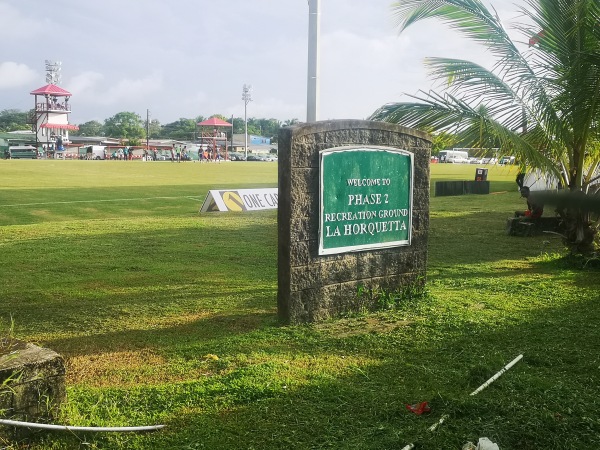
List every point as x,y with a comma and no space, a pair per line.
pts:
240,200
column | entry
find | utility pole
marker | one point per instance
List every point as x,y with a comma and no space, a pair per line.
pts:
231,145
312,100
147,130
247,97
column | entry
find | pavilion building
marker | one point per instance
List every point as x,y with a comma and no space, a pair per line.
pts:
50,117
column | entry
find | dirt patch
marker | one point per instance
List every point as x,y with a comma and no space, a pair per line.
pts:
88,368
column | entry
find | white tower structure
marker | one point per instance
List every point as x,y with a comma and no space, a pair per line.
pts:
50,117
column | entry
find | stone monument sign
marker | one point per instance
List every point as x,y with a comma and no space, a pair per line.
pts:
353,216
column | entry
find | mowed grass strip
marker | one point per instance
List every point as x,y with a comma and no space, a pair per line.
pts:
168,316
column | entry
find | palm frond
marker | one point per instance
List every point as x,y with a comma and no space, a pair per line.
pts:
542,105
474,20
478,85
469,17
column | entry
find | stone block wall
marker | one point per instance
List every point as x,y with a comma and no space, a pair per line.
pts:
32,381
313,287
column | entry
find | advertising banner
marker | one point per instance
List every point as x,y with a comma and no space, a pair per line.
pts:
240,200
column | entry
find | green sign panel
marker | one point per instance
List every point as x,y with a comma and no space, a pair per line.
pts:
366,199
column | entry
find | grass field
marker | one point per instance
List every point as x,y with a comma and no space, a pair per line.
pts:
168,316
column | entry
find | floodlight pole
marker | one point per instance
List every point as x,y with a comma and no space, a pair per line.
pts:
247,97
312,99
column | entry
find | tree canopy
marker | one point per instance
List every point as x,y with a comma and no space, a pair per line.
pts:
91,128
541,104
129,125
125,125
13,120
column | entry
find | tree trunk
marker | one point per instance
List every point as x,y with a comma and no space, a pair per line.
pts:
578,229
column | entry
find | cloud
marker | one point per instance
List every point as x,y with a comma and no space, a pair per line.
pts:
84,83
94,88
14,75
191,60
16,25
271,108
357,72
133,89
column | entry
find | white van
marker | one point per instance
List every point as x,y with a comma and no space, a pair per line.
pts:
95,152
454,157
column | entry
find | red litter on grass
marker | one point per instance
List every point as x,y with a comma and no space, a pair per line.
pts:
419,408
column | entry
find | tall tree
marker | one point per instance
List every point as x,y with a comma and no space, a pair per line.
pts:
91,128
155,129
290,122
125,125
542,104
267,127
238,125
182,130
254,127
13,120
220,116
441,141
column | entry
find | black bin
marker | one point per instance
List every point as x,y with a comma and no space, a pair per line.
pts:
481,174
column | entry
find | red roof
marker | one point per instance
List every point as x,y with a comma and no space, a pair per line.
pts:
214,122
51,89
61,126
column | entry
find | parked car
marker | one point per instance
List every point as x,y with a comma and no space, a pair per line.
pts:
489,160
234,156
507,160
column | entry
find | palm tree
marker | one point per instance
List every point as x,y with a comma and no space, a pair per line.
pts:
541,104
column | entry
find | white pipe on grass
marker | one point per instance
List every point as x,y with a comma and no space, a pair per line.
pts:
438,423
47,426
475,392
431,428
495,377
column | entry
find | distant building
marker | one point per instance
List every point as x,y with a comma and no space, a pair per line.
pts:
80,141
256,144
12,138
50,117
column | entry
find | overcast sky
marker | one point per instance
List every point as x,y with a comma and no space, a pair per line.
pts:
184,58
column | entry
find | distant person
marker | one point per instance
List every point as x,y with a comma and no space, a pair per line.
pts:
534,210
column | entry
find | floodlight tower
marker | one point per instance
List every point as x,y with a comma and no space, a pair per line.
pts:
247,97
53,72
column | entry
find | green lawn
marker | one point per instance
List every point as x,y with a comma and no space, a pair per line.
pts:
168,316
